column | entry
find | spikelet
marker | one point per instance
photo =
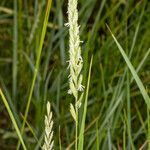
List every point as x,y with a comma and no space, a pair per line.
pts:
48,139
75,60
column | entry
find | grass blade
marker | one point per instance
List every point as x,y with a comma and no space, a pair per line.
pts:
12,119
134,74
15,47
81,135
37,63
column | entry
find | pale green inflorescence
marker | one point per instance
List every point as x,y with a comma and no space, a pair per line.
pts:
48,139
75,62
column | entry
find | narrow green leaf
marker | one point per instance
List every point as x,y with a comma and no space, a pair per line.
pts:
81,134
37,64
12,119
15,51
133,71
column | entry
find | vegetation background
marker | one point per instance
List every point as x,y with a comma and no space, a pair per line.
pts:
117,115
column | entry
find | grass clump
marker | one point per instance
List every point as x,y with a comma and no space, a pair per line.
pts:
109,111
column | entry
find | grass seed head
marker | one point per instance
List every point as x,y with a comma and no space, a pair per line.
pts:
48,139
75,60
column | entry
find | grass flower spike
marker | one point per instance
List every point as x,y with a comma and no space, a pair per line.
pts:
48,139
75,61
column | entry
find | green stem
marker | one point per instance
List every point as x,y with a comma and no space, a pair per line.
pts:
148,135
76,134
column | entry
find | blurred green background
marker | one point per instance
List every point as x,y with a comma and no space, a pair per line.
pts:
117,116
